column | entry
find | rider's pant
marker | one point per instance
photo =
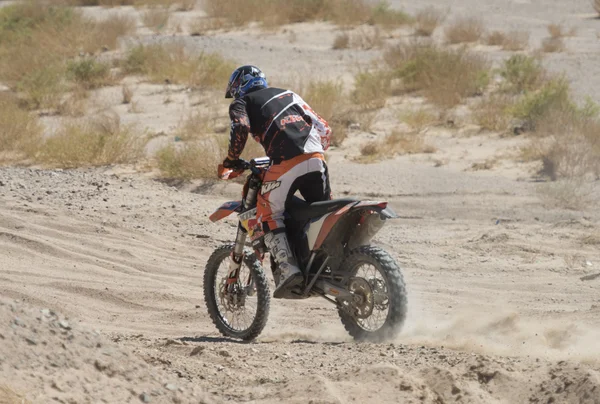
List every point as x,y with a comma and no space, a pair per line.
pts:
306,173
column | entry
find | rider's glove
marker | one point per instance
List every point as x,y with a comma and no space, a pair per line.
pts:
235,165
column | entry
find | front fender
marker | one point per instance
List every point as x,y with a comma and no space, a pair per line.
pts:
225,210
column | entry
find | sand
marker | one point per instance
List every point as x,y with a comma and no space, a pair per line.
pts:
101,269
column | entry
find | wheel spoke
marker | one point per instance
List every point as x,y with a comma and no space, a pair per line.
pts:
236,309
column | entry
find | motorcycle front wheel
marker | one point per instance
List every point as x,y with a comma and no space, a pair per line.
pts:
238,309
378,310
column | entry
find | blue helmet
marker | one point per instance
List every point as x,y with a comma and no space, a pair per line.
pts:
243,80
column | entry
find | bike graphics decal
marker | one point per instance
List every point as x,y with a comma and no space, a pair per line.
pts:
269,186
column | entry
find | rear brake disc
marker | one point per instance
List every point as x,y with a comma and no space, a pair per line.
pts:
364,299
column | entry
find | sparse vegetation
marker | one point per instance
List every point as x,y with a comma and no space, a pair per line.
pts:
172,63
419,118
596,4
327,99
93,142
522,73
465,30
493,112
444,76
559,31
371,89
189,160
341,41
88,73
397,143
127,94
36,42
280,12
20,132
156,19
427,20
552,45
571,194
551,101
368,37
495,38
516,41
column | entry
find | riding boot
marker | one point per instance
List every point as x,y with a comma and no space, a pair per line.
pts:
289,273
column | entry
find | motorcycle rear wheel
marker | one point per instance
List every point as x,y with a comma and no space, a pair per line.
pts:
227,310
376,280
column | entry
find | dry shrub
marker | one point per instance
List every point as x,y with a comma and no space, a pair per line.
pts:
382,14
37,40
427,20
172,63
553,45
420,118
367,37
74,103
327,99
559,31
371,89
88,73
20,131
570,152
549,104
156,19
516,41
191,160
495,38
493,112
280,12
522,73
94,142
444,76
201,122
596,4
112,28
567,136
573,194
487,164
127,94
341,41
397,143
464,30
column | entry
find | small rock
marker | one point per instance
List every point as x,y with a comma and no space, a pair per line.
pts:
170,387
46,312
145,398
30,341
196,351
17,321
224,353
220,368
64,324
173,342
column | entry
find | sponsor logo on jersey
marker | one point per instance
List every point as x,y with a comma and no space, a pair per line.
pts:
269,186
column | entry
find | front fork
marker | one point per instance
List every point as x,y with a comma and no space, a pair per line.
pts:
237,255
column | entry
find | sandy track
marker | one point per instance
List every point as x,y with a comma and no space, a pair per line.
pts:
495,290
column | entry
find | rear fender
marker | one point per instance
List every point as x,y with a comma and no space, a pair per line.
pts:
362,220
225,210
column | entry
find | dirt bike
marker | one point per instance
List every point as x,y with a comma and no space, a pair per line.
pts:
331,241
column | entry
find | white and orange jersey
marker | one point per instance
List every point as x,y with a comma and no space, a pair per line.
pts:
281,121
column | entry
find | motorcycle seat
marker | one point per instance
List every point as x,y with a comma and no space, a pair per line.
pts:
301,211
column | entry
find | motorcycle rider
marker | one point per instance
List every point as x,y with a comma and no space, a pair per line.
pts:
295,138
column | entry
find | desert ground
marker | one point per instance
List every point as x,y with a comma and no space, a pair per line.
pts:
101,268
